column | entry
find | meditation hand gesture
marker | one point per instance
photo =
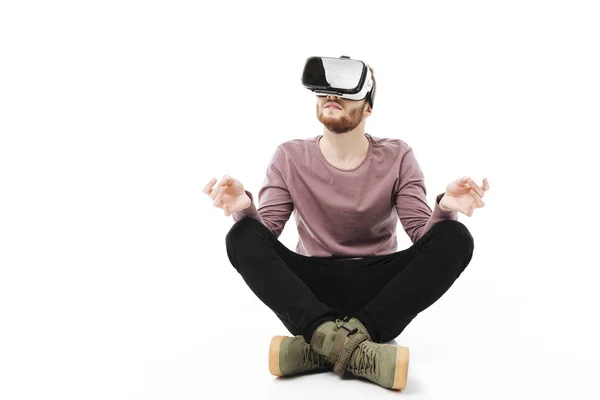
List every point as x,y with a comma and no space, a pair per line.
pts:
464,195
229,195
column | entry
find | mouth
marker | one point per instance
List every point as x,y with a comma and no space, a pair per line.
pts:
332,105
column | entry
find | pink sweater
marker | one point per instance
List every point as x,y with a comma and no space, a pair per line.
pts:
345,213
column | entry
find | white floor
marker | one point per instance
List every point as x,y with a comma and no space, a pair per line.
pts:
504,330
456,353
165,326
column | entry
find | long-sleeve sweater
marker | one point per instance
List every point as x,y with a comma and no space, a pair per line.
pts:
345,213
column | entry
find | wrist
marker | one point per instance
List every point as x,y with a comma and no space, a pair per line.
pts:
248,201
439,201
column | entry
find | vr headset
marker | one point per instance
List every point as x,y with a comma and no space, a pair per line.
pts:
342,77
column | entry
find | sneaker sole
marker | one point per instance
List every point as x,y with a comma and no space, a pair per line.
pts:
274,355
400,376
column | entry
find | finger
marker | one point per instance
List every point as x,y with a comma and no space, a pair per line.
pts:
226,210
217,201
462,181
486,185
227,180
475,186
215,190
478,200
469,211
209,185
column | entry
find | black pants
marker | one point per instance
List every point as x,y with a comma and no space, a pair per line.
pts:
384,292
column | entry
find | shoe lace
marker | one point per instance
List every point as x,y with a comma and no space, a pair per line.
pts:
363,360
309,357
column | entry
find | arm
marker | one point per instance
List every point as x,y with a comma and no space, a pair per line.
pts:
411,201
275,201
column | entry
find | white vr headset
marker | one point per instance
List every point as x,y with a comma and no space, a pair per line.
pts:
342,77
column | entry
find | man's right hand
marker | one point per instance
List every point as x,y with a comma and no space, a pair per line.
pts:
229,195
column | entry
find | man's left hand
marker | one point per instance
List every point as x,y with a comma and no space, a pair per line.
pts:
464,195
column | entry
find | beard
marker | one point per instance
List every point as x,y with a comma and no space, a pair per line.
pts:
340,124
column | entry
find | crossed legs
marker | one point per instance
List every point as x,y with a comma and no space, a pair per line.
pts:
384,292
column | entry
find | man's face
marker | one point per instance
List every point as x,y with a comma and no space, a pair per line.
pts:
340,115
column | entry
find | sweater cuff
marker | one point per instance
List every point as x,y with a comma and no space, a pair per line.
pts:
250,212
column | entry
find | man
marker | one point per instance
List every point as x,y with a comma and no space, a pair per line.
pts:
346,290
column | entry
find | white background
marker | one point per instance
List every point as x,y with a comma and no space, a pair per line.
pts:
114,278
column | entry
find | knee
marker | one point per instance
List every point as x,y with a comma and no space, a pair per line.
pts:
246,234
238,238
458,234
241,231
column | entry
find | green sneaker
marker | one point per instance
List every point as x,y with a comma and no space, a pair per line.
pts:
348,346
383,364
332,336
292,356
